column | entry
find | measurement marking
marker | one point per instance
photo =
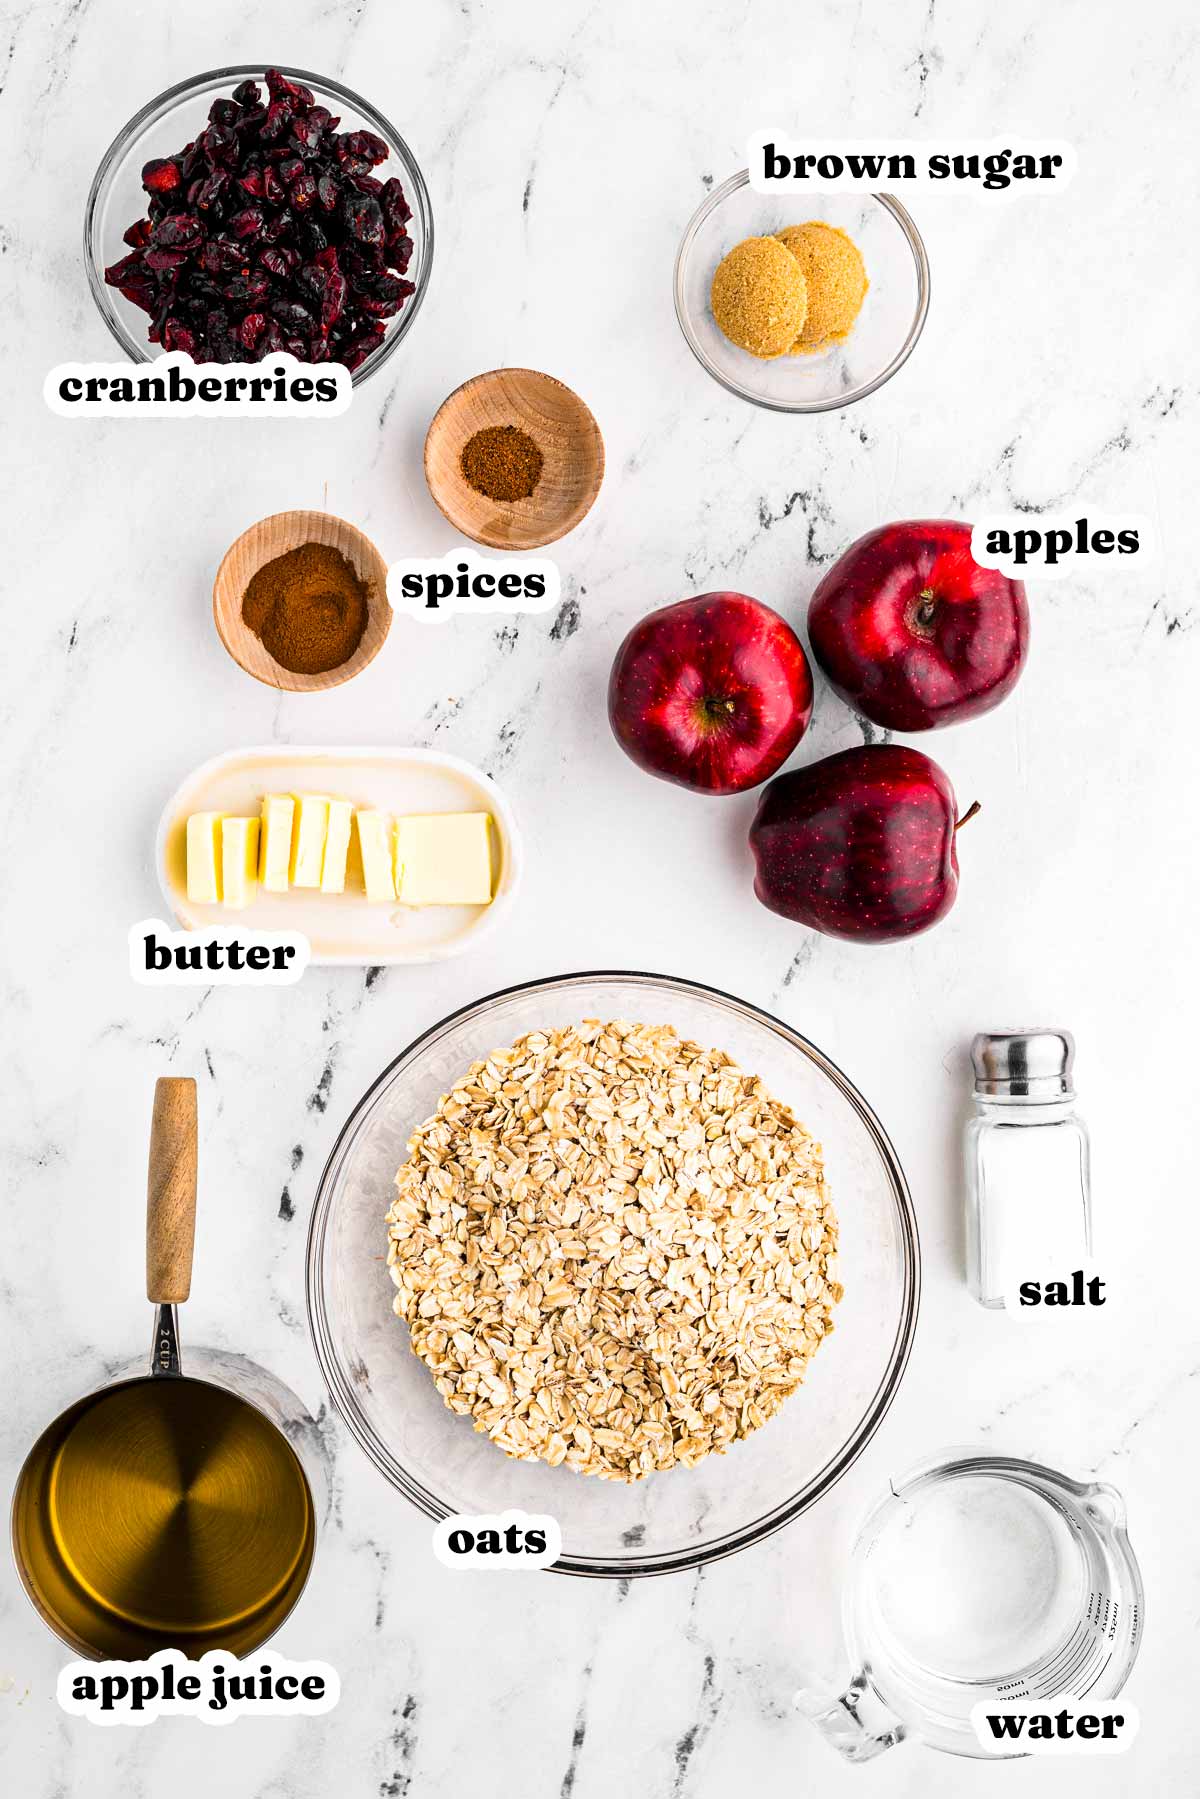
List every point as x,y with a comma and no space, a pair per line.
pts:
1100,1672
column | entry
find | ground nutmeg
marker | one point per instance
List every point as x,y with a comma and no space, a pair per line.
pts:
502,462
308,607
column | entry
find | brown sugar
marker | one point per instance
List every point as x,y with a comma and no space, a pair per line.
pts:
759,297
835,277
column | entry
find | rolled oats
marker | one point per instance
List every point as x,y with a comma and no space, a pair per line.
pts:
613,1249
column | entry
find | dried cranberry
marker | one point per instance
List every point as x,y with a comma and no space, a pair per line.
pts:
360,151
248,289
396,209
211,190
273,188
222,256
362,345
178,231
161,176
307,130
246,223
176,336
278,83
121,271
278,114
138,233
220,146
252,183
293,317
386,297
333,300
224,112
278,260
247,93
329,191
399,254
290,169
163,261
313,237
364,218
251,329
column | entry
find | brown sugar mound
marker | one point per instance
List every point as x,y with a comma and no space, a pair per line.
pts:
759,297
836,280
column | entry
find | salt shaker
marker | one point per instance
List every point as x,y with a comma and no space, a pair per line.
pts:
1029,1202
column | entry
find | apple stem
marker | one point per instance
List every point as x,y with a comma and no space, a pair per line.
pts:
717,710
927,610
968,815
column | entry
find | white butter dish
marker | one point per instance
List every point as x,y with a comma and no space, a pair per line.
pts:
345,927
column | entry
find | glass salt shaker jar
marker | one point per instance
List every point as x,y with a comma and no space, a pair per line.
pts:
1029,1203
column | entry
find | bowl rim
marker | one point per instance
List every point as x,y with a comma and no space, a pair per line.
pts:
633,1565
128,135
920,257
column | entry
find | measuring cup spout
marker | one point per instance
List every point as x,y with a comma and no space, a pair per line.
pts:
857,1723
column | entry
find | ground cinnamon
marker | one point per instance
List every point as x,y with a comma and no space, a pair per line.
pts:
502,462
309,608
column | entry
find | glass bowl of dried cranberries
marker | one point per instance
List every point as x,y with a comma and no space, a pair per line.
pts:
253,211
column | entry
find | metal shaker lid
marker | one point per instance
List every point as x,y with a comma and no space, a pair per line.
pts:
1034,1064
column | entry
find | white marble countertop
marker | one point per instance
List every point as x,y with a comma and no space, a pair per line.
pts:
1058,369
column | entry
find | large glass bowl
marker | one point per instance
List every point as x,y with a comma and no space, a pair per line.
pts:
884,335
682,1517
164,126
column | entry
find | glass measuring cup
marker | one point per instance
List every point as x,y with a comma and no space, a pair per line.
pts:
980,1579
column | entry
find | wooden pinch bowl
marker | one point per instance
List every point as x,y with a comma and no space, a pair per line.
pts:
563,429
262,543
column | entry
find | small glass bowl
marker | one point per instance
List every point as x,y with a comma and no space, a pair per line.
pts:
163,127
887,328
683,1517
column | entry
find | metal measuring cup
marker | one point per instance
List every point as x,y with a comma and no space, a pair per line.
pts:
169,1510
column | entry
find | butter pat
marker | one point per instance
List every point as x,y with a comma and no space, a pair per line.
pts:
239,860
275,842
204,858
374,847
337,846
308,839
444,859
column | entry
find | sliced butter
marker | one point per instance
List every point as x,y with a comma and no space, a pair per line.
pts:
239,860
373,831
308,839
444,859
337,847
275,842
204,858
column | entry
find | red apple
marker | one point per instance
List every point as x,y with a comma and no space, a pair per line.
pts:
713,692
860,844
912,632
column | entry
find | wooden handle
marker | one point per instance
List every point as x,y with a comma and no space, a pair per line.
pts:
171,1193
